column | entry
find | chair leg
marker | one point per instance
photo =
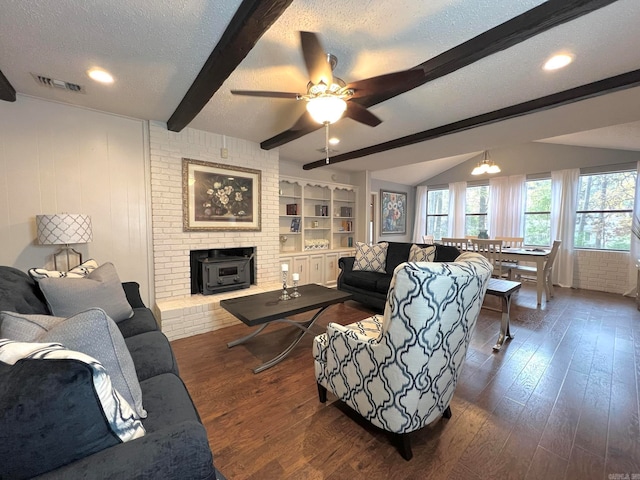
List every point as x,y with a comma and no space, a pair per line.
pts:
322,393
403,444
447,412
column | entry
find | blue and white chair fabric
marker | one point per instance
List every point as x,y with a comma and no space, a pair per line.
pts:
399,370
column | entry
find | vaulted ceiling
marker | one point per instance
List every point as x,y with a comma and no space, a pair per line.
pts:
483,86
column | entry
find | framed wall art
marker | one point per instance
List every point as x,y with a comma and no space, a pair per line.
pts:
393,213
219,197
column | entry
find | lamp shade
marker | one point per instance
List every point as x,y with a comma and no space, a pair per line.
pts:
64,229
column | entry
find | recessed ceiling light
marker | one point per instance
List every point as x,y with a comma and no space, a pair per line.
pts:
100,75
334,141
558,61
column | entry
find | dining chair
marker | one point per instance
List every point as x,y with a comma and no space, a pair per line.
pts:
459,243
520,270
511,242
492,250
427,239
399,370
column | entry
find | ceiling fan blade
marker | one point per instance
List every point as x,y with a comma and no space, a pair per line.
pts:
305,121
315,58
260,93
360,114
384,83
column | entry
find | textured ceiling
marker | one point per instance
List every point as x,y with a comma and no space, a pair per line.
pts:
155,49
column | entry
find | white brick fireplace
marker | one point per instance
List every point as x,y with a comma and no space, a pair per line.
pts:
182,314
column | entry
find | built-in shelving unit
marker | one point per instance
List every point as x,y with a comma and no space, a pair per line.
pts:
317,225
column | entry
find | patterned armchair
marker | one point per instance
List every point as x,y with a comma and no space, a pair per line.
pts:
399,370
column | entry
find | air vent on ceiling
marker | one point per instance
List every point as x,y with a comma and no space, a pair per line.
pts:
55,83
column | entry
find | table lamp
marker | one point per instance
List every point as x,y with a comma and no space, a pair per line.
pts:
64,229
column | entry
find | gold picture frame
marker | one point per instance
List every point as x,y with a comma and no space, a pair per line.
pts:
220,197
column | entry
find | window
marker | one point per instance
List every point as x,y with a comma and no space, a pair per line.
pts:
477,205
437,213
605,211
537,213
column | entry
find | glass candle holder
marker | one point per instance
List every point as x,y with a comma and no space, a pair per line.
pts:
285,294
296,279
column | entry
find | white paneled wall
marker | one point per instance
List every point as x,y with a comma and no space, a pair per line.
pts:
180,314
56,158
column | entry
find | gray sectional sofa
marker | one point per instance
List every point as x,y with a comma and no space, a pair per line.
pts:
52,427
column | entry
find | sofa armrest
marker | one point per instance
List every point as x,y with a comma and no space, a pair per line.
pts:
132,291
177,452
346,263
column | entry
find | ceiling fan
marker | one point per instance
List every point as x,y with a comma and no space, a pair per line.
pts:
329,98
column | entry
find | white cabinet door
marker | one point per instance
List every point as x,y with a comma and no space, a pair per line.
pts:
331,269
301,267
316,269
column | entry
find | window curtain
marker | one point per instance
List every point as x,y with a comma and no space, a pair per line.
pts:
506,206
634,252
457,209
564,202
420,221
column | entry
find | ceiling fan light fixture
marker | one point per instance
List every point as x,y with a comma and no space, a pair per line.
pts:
326,108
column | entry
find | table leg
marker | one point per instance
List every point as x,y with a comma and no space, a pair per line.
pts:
303,326
505,333
540,280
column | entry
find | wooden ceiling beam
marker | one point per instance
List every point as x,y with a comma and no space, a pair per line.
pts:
7,92
252,19
583,92
516,30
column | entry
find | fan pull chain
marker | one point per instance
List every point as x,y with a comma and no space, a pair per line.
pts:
326,141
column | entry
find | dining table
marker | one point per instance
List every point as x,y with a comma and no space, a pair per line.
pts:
539,256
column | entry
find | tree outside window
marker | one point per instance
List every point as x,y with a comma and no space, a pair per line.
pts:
537,215
605,211
437,213
477,206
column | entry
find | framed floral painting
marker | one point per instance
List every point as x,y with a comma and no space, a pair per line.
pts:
393,214
219,197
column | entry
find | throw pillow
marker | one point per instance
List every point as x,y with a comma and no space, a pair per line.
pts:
426,254
81,271
117,411
370,258
93,333
26,327
101,288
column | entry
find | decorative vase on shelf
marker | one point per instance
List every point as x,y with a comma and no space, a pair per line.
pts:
483,234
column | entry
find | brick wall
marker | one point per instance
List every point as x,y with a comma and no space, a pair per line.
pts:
601,270
172,244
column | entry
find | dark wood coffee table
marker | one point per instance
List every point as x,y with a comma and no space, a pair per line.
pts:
265,308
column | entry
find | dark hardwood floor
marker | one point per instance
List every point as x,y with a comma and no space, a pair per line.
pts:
560,401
